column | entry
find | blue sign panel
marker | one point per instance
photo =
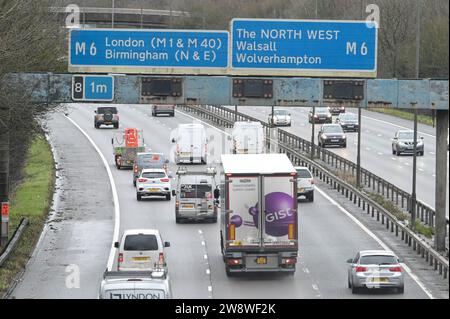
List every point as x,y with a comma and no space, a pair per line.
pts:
92,88
295,46
146,51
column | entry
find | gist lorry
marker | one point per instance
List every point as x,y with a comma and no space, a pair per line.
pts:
258,212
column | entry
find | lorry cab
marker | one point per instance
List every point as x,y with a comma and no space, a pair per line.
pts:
191,144
196,195
135,285
247,138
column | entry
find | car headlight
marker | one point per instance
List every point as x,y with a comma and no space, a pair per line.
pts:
419,143
324,136
329,115
344,137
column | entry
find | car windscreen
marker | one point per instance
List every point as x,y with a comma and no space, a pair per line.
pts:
195,190
103,110
303,173
406,135
322,110
153,175
150,160
377,260
348,117
332,129
141,242
280,112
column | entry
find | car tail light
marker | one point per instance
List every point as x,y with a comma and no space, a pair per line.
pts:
120,258
164,180
289,261
177,204
142,180
234,261
361,269
178,149
312,181
161,259
208,195
396,269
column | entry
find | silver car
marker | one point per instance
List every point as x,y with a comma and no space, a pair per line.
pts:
375,269
403,142
280,118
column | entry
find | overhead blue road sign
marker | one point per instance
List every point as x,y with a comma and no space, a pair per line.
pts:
304,47
92,88
148,51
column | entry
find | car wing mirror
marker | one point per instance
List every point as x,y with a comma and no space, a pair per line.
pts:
170,176
95,111
174,193
166,161
174,140
166,244
350,261
116,244
400,260
216,193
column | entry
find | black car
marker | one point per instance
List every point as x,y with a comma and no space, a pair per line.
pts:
322,115
106,116
336,110
332,134
348,122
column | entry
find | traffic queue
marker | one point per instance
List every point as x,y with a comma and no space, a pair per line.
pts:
250,181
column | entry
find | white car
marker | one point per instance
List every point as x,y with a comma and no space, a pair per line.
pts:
153,182
305,183
141,249
280,117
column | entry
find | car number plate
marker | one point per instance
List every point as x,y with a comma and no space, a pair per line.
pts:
188,205
145,258
301,190
335,140
153,190
379,280
261,260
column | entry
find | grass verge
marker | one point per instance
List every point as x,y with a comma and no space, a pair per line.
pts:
424,119
389,206
31,199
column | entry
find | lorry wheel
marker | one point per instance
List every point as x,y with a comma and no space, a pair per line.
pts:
228,272
138,197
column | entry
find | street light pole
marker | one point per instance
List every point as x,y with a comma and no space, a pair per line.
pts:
358,156
313,124
413,193
112,15
418,22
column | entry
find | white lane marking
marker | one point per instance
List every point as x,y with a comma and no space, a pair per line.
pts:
203,243
406,163
393,158
420,169
379,153
315,287
432,153
374,237
434,175
112,252
399,126
209,288
208,271
205,256
368,148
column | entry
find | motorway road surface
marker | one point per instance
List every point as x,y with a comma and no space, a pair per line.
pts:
327,236
376,152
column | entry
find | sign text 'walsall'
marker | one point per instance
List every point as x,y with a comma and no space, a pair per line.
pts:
148,51
304,47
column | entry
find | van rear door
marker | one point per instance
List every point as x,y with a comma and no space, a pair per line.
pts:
280,211
242,215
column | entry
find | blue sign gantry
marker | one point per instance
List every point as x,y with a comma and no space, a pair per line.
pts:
93,88
147,51
304,47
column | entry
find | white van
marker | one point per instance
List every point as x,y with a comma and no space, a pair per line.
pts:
247,138
191,144
135,285
141,249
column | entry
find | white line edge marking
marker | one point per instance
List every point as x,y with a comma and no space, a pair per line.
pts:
399,126
364,228
112,253
374,237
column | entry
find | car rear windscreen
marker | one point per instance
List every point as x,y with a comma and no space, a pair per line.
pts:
103,110
153,175
194,190
141,242
377,260
303,173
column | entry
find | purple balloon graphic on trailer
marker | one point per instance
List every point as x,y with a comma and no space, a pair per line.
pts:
280,212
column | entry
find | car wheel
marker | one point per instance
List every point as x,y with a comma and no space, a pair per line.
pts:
345,145
228,272
349,283
393,152
116,125
354,290
311,197
134,183
168,197
401,289
138,197
213,220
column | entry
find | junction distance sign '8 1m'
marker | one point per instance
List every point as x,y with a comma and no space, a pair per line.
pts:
148,51
304,47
